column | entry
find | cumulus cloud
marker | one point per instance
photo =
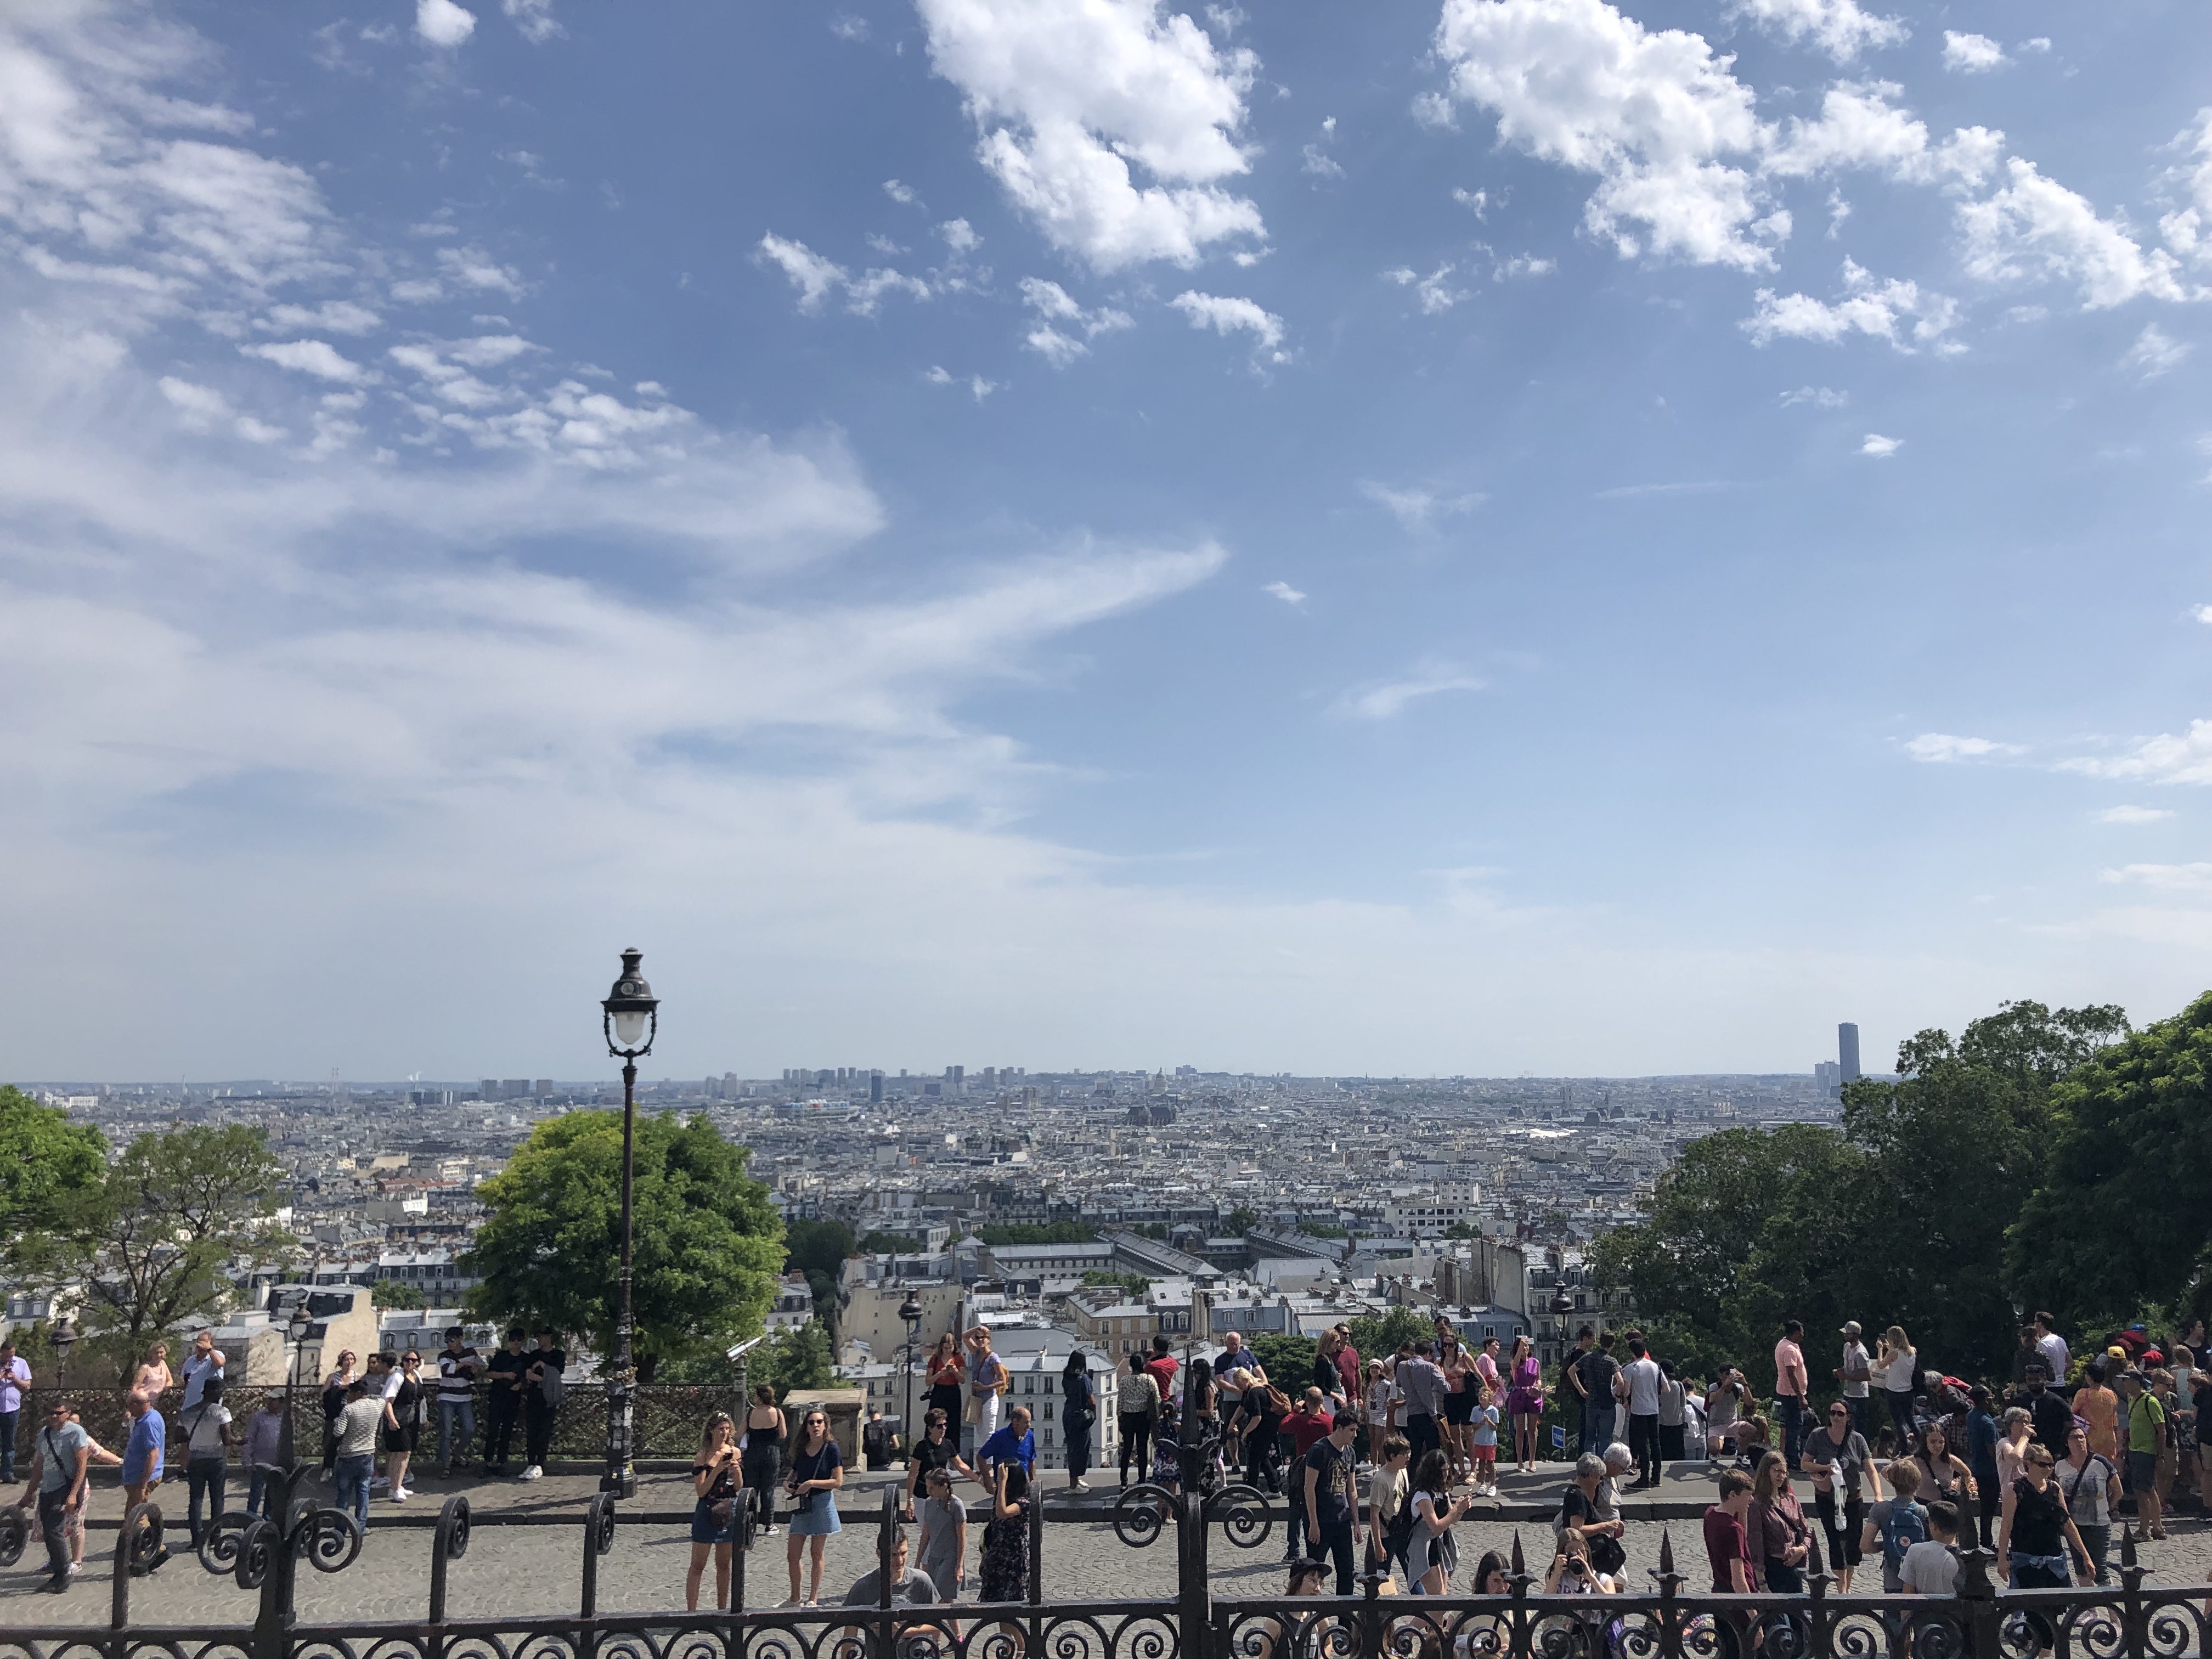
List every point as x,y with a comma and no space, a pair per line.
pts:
1820,397
471,267
1058,313
2166,758
441,23
1896,311
815,276
2183,228
1880,448
2133,815
1387,699
1227,315
1841,29
2035,226
1971,54
533,19
1284,591
337,316
2155,352
2204,614
1434,291
1653,114
1940,747
1112,124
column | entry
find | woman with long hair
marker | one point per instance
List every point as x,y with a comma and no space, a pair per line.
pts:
2091,1487
817,1470
714,1510
1004,1575
760,1460
1432,1555
1525,1404
948,1376
1781,1539
1458,1367
403,1424
1943,1475
1078,1410
152,1378
341,1378
1900,1366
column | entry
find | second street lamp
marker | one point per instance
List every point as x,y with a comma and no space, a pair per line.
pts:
631,1019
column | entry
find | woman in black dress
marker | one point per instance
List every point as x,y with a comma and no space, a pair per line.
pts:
1078,1410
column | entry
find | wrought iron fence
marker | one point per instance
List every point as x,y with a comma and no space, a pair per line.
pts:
2132,1619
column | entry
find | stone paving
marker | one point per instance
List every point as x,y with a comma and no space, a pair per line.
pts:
534,1570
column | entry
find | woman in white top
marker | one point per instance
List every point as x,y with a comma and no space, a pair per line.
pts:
1898,1367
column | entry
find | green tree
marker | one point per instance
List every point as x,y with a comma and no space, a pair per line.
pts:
818,1246
150,1242
45,1159
1288,1360
1030,1232
793,1359
391,1293
1376,1338
1241,1221
1135,1283
2120,1220
1462,1230
886,1245
1322,1230
708,1247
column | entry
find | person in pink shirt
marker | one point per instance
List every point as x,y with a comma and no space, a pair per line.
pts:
1791,1384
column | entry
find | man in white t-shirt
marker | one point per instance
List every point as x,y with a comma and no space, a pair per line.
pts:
205,1362
1640,1385
2053,1347
205,1424
1856,1374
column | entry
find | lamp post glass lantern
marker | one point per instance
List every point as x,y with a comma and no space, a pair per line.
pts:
631,1019
298,1328
63,1338
911,1312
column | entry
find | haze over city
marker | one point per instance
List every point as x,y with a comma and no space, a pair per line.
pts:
1272,540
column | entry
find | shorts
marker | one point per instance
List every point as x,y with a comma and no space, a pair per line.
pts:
401,1439
2143,1471
705,1530
1459,1408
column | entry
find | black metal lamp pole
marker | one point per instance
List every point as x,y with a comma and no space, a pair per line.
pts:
911,1312
300,1326
631,1020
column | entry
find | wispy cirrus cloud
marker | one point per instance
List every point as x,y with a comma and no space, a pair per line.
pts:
1941,747
1385,700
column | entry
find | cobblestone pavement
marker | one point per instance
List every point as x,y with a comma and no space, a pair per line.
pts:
534,1570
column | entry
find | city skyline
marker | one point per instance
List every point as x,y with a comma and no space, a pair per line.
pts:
1270,536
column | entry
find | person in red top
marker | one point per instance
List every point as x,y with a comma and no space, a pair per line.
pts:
1163,1367
1791,1385
1308,1426
1347,1362
1726,1544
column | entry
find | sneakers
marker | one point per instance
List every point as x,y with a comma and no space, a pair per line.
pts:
533,1473
379,1482
400,1494
1079,1485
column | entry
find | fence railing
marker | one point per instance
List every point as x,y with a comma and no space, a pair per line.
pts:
2132,1619
667,1418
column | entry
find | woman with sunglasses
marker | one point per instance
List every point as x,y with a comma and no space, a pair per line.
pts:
2035,1531
1837,1458
817,1470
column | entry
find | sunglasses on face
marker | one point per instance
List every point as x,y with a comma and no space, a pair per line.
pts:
1840,1416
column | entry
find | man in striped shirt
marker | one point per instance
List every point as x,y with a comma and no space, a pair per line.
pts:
457,1366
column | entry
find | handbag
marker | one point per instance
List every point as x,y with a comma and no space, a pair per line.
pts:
1605,1553
972,1412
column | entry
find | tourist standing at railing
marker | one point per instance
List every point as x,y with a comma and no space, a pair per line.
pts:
1839,1460
264,1434
60,1460
1900,1363
944,1547
403,1422
1855,1375
1079,1412
202,1366
1331,1509
986,1385
818,1471
504,1399
458,1365
2091,1487
1525,1404
1641,1380
1432,1555
334,1384
1780,1537
14,1377
153,1377
1236,1372
716,1492
1136,1407
544,1384
948,1378
359,1421
2052,1348
2035,1534
910,1587
761,1463
205,1424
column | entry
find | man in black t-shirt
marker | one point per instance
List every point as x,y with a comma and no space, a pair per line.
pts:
1328,1481
503,1398
1597,1369
543,1386
936,1449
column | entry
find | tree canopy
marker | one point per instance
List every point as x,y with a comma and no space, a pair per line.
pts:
1030,1232
44,1159
708,1245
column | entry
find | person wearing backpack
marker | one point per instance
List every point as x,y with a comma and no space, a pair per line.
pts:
205,1424
1896,1524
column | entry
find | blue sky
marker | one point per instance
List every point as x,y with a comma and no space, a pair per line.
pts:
1475,535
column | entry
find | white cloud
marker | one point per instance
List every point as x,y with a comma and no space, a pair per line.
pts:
1971,54
862,293
2167,878
1227,315
1054,305
337,316
1284,591
1434,111
1522,265
1653,114
960,236
1820,397
1880,446
2133,815
1860,125
489,350
1318,163
442,23
1073,104
1868,306
317,357
201,408
1417,510
1940,747
2204,614
533,19
2183,228
2155,353
1477,202
982,388
2161,760
1841,29
813,275
472,267
902,194
1434,291
2035,226
1390,698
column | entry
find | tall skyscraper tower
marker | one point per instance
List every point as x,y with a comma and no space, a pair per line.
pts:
1847,1050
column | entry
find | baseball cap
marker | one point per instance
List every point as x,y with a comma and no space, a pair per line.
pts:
1851,1328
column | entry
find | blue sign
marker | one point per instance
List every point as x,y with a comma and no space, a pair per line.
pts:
1559,1438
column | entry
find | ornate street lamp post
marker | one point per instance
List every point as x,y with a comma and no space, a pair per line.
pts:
63,1338
630,1021
300,1326
911,1312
